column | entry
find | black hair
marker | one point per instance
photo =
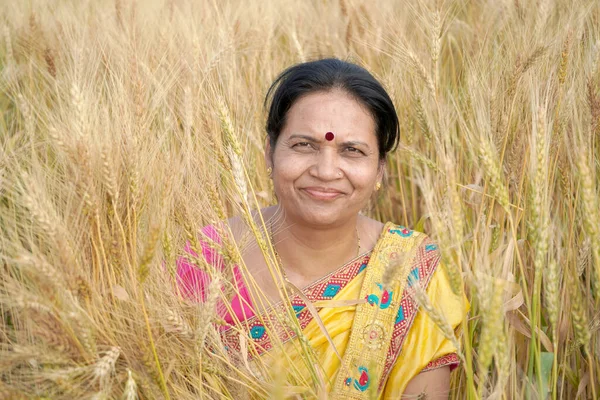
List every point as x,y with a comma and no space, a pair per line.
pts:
324,75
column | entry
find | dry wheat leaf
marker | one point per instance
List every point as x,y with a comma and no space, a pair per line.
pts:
515,302
520,326
120,293
582,385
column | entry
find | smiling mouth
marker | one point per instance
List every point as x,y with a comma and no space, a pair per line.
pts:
322,193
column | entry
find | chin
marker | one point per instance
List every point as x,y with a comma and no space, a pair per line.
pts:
321,217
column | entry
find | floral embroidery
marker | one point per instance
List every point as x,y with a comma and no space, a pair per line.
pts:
257,332
374,335
384,302
362,383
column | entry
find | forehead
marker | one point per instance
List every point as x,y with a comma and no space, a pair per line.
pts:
336,111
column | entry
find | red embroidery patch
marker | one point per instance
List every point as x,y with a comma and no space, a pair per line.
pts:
449,359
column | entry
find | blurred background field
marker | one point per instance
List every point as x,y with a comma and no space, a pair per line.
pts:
127,125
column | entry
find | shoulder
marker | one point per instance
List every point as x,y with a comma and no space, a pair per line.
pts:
407,238
424,252
370,230
373,231
238,226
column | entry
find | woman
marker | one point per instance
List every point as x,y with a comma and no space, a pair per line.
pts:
330,126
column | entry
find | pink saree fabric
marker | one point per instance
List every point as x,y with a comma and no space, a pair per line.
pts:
193,282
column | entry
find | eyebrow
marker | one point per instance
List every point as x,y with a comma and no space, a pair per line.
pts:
355,143
312,139
306,137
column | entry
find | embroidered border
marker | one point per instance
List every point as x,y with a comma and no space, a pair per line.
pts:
323,289
449,359
399,248
426,260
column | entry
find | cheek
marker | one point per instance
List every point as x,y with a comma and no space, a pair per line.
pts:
287,170
362,177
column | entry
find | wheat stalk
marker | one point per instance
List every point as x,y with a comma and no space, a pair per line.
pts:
491,329
436,34
10,55
492,168
408,57
148,254
579,316
436,316
105,367
131,391
114,114
591,208
175,324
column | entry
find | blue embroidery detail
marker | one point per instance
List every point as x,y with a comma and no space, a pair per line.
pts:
400,315
331,290
348,381
362,267
402,231
257,331
297,308
430,247
413,277
372,299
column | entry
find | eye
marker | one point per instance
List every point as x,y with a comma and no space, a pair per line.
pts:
303,146
354,150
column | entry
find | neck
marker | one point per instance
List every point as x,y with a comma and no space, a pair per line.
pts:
308,253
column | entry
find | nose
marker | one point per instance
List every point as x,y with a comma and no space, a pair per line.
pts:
327,165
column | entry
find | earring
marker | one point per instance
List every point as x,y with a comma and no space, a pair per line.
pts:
378,186
269,171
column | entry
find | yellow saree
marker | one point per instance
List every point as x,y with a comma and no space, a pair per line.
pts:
369,315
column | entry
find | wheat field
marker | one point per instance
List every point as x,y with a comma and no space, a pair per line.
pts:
129,124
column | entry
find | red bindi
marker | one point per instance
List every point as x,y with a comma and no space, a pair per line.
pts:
329,136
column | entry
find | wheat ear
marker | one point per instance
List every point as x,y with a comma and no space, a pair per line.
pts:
130,392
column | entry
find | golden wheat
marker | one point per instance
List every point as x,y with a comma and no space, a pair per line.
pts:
127,127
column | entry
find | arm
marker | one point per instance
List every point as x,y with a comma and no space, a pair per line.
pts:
430,385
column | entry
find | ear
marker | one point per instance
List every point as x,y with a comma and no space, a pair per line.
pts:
381,170
268,154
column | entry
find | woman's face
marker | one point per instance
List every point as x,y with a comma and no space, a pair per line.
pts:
322,182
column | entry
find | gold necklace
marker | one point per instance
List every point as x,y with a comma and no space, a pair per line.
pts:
279,257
